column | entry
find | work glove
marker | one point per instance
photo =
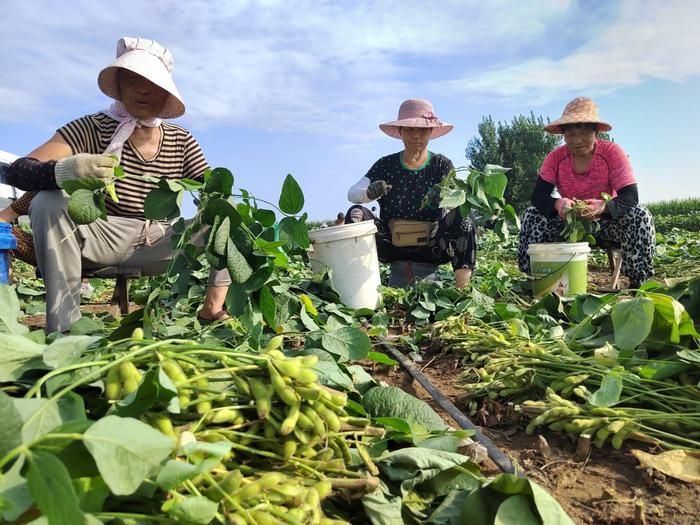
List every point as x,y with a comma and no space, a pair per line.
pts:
594,209
377,189
84,166
563,206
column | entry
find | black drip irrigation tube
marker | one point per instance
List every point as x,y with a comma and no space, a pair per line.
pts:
496,455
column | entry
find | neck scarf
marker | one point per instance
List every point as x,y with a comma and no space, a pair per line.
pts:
127,124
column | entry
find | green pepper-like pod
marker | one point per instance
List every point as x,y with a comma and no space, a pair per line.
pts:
285,392
113,384
228,485
291,420
262,394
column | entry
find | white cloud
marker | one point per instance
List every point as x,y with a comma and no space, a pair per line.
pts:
326,67
647,40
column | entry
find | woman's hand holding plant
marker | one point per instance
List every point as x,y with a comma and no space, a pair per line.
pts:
563,207
594,209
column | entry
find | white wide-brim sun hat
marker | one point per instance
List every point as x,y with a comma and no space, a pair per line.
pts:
150,60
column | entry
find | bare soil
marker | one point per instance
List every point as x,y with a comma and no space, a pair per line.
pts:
607,487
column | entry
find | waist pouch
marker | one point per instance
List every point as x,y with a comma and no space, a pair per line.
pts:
410,233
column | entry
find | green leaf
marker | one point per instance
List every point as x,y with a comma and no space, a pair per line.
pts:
161,204
330,374
67,350
307,321
155,389
51,488
548,508
669,316
126,451
91,492
515,511
11,428
72,452
381,358
237,265
451,198
267,306
609,392
221,208
348,343
41,416
383,508
86,326
265,217
73,185
436,471
204,456
221,236
296,230
257,279
394,423
10,312
382,401
292,198
632,321
84,206
14,493
450,509
195,509
511,215
18,355
495,185
220,180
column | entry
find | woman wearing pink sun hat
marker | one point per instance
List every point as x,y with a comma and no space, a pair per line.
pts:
132,129
584,168
399,182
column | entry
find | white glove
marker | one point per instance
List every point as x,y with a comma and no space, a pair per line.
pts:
84,166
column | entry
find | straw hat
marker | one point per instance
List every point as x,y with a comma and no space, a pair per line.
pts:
416,113
581,110
150,60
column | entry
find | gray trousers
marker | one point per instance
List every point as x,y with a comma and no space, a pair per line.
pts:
64,249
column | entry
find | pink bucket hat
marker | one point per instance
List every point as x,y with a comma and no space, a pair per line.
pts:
581,110
416,113
150,60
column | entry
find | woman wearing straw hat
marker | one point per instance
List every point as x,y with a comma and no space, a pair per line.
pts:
140,80
584,168
400,181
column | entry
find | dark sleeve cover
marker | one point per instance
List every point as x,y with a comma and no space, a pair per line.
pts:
30,174
21,205
542,198
626,199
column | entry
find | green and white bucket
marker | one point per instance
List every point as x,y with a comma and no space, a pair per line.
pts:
559,267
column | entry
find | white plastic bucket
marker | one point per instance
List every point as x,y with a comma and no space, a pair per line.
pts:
351,252
559,267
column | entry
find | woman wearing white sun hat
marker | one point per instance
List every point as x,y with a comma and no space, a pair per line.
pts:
132,128
584,168
399,183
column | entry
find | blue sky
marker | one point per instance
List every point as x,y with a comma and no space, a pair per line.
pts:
298,87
